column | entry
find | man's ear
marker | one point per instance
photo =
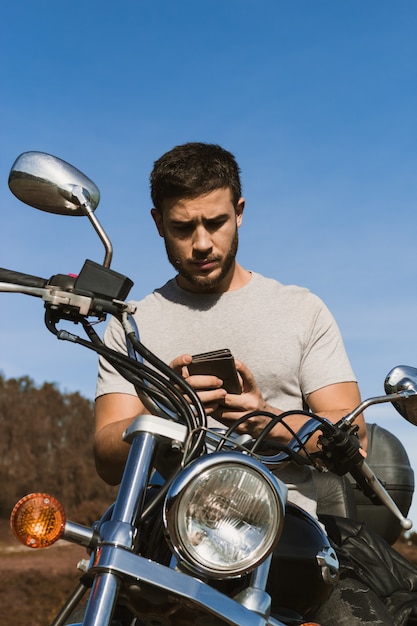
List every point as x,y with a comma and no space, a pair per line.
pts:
239,211
157,218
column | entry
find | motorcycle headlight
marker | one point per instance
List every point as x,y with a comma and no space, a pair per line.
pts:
224,514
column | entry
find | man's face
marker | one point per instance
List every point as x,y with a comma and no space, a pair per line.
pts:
201,239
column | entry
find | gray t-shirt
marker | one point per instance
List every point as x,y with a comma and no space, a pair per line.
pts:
283,333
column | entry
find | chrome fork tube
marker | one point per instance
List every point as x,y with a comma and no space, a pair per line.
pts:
120,531
135,478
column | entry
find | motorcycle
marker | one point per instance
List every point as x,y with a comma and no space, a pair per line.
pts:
200,519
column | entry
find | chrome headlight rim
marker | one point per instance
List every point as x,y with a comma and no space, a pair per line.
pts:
181,492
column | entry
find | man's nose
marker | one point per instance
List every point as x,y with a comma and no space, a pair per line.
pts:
201,240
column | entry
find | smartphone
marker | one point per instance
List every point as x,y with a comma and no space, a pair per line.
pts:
218,363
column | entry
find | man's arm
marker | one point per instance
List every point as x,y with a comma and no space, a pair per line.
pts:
332,402
336,401
113,414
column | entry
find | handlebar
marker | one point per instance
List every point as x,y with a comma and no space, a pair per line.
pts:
18,278
95,291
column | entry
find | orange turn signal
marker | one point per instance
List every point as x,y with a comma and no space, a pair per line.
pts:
38,520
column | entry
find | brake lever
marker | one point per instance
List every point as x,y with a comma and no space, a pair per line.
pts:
383,495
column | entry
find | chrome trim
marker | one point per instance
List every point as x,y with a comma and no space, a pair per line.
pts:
186,588
156,426
329,565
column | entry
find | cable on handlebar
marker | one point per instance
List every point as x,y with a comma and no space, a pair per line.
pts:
287,452
136,373
172,375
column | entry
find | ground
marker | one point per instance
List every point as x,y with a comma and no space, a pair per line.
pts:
34,583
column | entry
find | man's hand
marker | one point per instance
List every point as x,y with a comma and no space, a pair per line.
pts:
208,388
223,406
233,406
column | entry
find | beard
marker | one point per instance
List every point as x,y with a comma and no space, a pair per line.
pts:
198,281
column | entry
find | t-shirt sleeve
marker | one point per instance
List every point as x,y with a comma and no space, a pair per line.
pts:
108,379
325,361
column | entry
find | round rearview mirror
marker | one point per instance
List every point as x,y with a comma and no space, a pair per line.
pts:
404,378
51,184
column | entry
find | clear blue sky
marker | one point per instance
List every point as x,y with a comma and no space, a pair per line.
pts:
316,98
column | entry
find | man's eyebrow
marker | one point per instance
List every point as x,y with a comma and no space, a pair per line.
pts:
179,222
185,222
220,217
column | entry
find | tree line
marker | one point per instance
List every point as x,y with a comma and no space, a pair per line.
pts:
46,446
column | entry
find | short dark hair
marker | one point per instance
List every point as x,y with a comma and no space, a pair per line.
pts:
194,169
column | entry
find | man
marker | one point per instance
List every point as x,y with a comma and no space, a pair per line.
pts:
288,349
287,346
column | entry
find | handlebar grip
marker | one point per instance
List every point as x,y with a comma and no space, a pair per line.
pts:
18,278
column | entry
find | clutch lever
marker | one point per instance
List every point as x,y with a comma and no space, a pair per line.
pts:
342,454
